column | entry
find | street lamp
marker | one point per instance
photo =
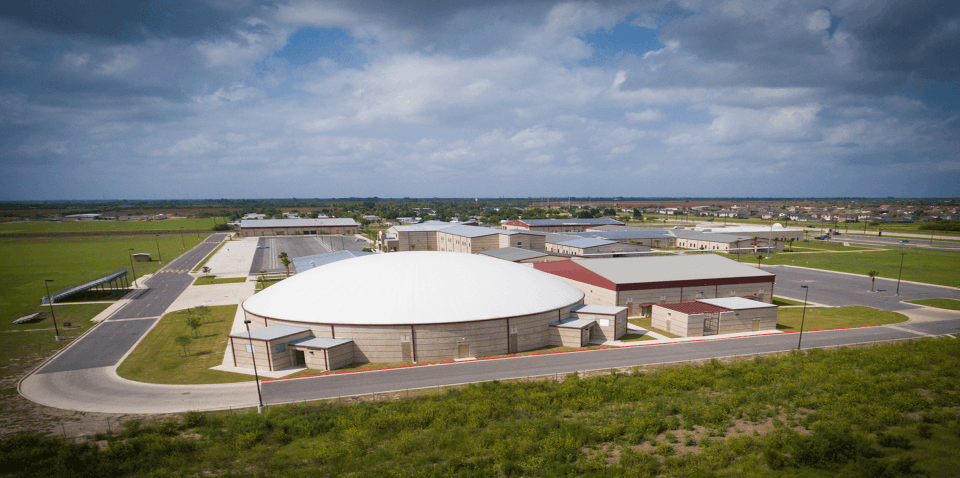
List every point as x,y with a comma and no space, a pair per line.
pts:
804,316
256,376
132,271
197,225
902,254
770,238
156,237
56,330
183,245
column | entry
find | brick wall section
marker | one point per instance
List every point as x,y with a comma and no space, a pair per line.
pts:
292,231
730,322
568,336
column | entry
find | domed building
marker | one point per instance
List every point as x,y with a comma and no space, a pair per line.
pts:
416,307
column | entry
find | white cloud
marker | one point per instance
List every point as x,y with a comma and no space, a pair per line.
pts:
819,20
645,115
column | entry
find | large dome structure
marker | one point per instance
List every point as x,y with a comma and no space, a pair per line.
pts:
413,288
416,307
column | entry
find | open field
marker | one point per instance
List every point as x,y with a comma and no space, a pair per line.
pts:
948,304
814,245
158,358
844,412
71,261
819,318
189,226
928,266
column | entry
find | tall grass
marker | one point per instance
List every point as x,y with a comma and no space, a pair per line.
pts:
883,411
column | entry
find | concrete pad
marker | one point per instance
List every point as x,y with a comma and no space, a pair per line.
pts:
929,314
234,258
261,372
214,294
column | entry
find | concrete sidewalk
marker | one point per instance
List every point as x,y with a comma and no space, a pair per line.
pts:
234,258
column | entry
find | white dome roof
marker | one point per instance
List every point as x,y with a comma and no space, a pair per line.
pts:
413,288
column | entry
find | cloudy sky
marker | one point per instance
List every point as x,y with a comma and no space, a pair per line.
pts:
103,99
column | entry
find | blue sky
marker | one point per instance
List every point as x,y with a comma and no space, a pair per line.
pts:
197,99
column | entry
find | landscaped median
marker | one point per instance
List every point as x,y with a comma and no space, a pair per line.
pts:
210,280
823,318
160,359
949,304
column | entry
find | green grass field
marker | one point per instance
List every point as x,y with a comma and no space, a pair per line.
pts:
189,226
882,411
808,246
819,318
208,280
70,261
636,338
158,359
929,266
780,301
24,346
949,304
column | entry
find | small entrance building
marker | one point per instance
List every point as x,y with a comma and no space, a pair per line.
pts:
707,317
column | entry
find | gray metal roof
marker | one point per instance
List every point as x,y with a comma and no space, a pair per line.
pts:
271,333
632,270
297,222
708,236
736,303
427,226
474,231
320,342
586,242
305,263
574,323
570,222
598,309
514,254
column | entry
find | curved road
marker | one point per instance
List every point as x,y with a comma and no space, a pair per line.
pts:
85,381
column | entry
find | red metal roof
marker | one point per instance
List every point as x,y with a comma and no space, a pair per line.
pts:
573,271
691,308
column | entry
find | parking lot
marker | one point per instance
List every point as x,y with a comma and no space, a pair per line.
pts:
269,248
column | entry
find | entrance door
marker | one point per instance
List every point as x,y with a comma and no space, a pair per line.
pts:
301,360
406,351
463,351
711,323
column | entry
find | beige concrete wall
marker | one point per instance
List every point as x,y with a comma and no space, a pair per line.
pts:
608,327
593,295
742,320
334,358
730,322
522,241
689,294
567,336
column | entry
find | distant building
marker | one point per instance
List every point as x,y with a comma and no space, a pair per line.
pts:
290,227
559,225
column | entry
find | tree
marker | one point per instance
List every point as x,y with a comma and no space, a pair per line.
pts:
873,278
183,341
194,323
657,241
637,214
206,270
285,261
759,258
737,244
790,243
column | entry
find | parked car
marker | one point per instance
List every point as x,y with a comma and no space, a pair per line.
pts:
904,240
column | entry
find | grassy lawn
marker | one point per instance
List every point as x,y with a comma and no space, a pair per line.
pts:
22,346
158,359
71,261
208,280
190,226
646,323
780,301
929,266
950,304
636,338
826,246
819,318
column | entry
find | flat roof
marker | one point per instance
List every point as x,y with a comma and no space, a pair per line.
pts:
271,332
566,222
709,236
262,223
691,308
586,242
320,342
514,253
573,323
473,231
598,309
629,270
736,303
427,226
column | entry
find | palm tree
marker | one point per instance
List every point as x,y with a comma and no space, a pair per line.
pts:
873,278
737,243
285,261
759,258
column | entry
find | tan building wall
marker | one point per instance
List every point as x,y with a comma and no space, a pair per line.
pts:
292,231
738,321
561,336
608,327
265,352
329,359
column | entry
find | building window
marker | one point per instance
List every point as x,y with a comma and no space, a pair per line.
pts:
250,348
281,348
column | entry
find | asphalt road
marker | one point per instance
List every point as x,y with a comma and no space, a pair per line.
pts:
330,386
835,289
892,242
108,342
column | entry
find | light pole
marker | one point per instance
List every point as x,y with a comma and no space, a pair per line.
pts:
902,254
132,271
183,245
804,316
197,225
256,376
770,238
156,237
56,330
